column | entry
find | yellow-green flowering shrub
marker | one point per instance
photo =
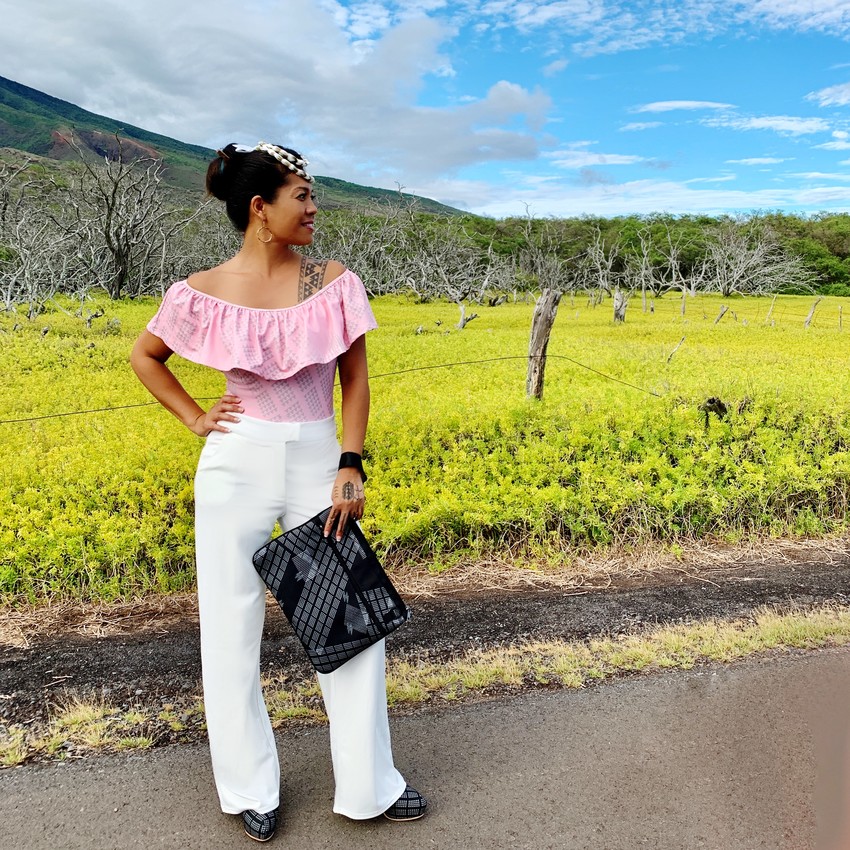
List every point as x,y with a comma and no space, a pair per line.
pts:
100,505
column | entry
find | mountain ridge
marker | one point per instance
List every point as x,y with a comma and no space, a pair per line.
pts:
37,123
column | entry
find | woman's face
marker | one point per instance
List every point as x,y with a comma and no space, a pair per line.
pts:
290,216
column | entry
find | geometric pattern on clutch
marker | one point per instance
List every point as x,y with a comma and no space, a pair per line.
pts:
335,594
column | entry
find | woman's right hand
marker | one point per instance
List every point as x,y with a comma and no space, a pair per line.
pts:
221,411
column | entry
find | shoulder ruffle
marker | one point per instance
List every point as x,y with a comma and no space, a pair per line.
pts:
274,344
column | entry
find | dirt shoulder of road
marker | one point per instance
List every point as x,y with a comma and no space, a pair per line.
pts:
145,652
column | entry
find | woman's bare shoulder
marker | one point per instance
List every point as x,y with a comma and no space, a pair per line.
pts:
211,281
333,270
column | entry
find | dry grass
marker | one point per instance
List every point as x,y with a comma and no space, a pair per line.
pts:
20,625
617,567
81,725
574,665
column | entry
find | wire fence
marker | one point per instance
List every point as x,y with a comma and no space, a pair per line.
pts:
371,377
764,312
755,311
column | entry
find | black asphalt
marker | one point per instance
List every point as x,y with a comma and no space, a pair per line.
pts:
723,757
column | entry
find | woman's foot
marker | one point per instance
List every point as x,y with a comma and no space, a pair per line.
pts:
260,827
410,806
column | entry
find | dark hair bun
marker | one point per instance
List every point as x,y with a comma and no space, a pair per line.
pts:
219,173
237,175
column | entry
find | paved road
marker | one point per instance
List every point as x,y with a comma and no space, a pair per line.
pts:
722,758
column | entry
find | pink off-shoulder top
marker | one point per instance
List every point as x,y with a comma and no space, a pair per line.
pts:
280,362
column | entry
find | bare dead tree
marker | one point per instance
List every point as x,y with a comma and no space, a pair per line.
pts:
745,259
368,241
36,259
444,262
672,252
597,269
642,270
206,238
9,178
24,280
604,272
659,265
540,264
121,222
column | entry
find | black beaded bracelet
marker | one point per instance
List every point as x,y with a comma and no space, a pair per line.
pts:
354,460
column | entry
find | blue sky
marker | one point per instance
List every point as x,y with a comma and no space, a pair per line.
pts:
562,107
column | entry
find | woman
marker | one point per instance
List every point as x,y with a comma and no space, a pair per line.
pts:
279,326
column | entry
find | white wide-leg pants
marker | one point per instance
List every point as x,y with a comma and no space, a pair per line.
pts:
258,473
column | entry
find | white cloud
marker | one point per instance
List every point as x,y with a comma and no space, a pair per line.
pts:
610,26
350,104
585,158
813,15
602,26
366,19
832,96
636,126
726,178
837,145
819,175
555,67
785,124
673,105
643,24
757,160
346,80
530,14
571,198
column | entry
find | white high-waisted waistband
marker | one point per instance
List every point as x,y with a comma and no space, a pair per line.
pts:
266,431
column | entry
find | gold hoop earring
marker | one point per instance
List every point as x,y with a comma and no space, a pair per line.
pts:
260,229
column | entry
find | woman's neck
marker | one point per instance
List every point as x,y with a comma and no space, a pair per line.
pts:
264,259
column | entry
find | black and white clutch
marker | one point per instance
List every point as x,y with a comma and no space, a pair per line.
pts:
335,593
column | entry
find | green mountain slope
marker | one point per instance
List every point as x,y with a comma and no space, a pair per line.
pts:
36,123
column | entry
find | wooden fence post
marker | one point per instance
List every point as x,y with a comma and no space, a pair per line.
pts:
812,313
770,311
541,326
621,301
675,349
